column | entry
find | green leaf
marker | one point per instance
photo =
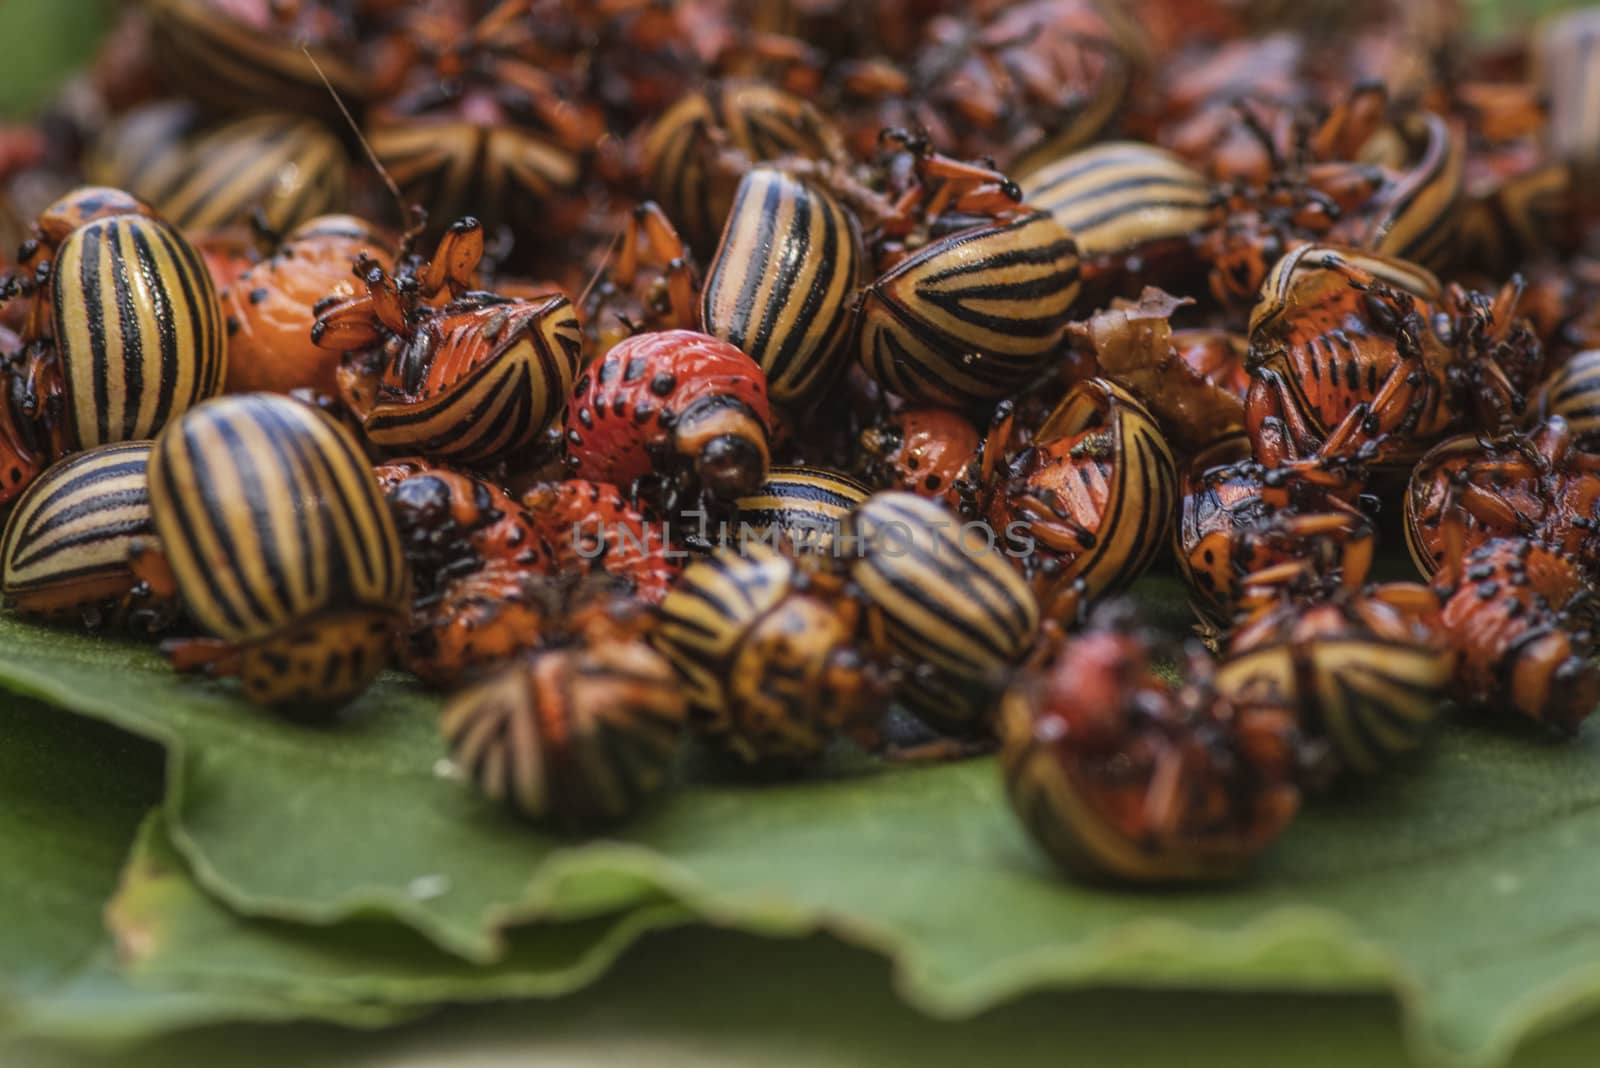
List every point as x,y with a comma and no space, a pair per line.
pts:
171,934
1462,883
71,794
60,36
314,825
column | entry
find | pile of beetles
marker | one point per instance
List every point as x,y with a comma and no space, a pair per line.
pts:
778,374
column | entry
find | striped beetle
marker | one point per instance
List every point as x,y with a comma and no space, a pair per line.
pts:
975,314
123,330
949,606
468,381
782,282
1368,673
65,550
235,55
804,506
1351,347
286,167
1536,484
271,529
578,736
680,150
1573,393
767,653
1121,775
1090,500
1134,210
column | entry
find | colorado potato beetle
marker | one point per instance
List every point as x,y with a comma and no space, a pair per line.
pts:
1353,348
578,737
286,167
782,281
1521,620
971,316
1238,519
272,530
802,506
65,550
1134,210
271,306
677,402
759,122
1089,503
1123,776
943,599
235,55
1573,393
767,653
1534,484
1369,673
467,381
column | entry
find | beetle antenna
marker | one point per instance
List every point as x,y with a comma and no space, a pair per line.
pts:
372,157
599,271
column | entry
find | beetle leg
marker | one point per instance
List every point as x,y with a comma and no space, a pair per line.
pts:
455,260
213,656
347,326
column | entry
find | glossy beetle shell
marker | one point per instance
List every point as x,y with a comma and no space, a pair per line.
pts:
1370,681
1121,196
1101,461
479,381
762,122
770,668
233,58
782,282
289,168
138,329
952,607
66,544
971,316
806,505
273,525
1573,393
576,737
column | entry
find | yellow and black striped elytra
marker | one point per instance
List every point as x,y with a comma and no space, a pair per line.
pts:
275,535
287,167
1121,196
456,168
1304,275
1419,218
577,737
971,316
138,329
767,654
1140,483
65,552
783,281
806,505
1573,393
1371,697
235,64
950,605
760,121
479,382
